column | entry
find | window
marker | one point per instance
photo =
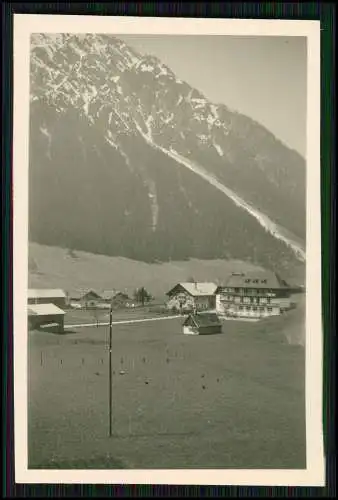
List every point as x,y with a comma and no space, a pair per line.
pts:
270,309
241,308
269,301
248,308
247,280
254,308
254,281
263,281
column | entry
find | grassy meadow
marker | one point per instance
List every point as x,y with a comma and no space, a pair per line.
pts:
234,400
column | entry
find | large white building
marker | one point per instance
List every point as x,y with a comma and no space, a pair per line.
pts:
253,295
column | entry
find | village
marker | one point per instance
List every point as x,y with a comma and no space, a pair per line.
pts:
250,296
207,372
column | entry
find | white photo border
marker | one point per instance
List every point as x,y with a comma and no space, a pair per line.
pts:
24,25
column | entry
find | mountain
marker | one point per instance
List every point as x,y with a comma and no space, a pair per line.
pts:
128,160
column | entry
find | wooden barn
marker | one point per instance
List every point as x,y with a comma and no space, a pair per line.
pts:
47,296
45,314
202,324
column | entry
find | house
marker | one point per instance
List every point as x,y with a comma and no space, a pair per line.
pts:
85,299
120,299
45,314
202,324
192,296
47,296
107,296
253,295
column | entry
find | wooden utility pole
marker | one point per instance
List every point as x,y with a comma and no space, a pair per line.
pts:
110,371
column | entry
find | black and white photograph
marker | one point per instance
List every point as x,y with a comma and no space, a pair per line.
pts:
167,285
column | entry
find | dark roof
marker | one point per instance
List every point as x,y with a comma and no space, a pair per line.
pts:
81,294
255,279
203,319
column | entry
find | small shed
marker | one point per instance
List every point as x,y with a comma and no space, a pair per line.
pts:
45,314
202,324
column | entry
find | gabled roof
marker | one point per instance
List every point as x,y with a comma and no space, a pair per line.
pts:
203,320
113,294
79,294
44,310
108,294
196,289
121,295
255,279
37,293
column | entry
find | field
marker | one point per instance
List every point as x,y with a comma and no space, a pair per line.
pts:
234,400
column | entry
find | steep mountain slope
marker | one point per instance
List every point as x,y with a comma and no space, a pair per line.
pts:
111,133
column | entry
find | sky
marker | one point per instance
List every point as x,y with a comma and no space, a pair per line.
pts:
261,77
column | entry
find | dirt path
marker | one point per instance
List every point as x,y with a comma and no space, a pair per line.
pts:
122,322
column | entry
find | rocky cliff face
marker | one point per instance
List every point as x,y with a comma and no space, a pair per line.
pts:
126,159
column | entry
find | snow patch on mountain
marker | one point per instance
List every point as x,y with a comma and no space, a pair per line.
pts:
213,109
199,103
148,123
218,149
133,59
120,66
163,72
203,138
168,118
152,195
263,220
146,68
211,120
77,49
46,133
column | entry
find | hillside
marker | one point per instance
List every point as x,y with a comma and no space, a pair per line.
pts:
104,124
55,267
